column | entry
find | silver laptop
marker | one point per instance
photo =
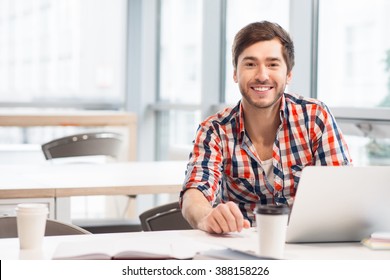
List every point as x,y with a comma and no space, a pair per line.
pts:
335,204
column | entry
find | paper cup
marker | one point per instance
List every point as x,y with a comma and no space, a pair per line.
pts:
271,222
31,223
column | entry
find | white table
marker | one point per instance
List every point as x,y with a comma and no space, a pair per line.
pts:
59,182
246,240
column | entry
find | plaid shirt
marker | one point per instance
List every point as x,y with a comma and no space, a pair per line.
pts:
224,166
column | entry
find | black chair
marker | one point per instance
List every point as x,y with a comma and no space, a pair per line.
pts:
9,229
107,144
164,217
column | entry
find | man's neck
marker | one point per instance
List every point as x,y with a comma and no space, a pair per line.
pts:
262,124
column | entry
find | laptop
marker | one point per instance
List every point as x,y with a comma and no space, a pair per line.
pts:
340,204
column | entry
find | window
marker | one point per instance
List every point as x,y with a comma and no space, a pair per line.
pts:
354,74
62,53
179,76
180,52
354,53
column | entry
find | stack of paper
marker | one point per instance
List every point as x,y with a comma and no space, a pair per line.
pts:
378,241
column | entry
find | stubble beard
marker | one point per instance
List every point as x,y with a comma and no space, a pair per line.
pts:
260,106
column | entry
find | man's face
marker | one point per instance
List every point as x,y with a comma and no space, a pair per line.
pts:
261,74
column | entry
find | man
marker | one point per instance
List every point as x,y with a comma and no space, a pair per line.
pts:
255,152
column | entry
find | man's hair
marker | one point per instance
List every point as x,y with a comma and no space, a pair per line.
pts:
263,31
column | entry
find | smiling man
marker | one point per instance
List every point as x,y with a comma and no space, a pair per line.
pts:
254,152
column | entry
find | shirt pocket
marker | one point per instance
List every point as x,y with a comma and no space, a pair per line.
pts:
292,175
295,172
240,177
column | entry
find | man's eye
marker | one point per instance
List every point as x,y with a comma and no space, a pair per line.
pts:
250,64
273,65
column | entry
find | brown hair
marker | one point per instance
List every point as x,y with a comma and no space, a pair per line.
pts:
263,31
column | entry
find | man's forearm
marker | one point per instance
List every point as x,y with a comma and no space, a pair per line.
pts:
195,207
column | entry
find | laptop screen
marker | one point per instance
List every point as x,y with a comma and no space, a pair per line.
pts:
340,204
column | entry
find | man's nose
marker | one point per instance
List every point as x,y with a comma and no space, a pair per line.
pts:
262,73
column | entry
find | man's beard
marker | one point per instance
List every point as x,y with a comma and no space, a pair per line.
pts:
260,106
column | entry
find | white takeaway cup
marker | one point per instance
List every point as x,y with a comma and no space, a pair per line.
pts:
271,223
31,223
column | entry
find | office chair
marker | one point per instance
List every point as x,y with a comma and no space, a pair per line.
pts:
9,229
85,145
164,217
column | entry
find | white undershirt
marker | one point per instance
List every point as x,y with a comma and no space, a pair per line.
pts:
268,169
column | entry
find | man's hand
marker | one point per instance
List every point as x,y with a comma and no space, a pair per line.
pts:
223,219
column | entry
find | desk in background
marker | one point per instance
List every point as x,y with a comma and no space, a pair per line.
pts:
76,118
54,184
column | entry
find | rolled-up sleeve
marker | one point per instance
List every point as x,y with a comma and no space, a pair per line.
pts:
204,167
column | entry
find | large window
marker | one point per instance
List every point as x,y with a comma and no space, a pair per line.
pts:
354,73
354,53
62,53
180,51
179,75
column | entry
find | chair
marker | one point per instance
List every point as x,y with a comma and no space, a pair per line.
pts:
85,145
9,229
105,225
164,217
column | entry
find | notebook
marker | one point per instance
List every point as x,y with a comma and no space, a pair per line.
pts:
340,204
132,248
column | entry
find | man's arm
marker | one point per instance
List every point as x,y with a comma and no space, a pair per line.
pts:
222,219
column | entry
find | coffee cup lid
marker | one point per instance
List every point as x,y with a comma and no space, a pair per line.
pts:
272,209
32,207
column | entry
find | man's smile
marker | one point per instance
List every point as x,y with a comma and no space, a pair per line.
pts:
262,88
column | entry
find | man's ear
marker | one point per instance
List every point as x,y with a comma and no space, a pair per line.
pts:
289,77
235,75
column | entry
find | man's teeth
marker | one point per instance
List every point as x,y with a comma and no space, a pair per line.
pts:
262,88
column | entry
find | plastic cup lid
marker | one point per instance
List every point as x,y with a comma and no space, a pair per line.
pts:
272,209
32,208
